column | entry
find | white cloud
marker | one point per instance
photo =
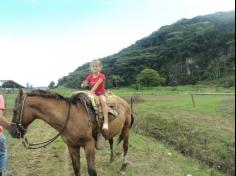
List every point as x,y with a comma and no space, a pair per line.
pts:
41,60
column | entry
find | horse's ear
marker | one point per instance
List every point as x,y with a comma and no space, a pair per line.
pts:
21,92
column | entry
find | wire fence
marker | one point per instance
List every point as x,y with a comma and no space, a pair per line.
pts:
203,94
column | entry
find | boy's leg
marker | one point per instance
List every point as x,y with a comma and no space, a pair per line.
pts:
102,99
3,153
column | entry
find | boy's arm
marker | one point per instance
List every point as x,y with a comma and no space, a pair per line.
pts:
3,122
84,84
96,85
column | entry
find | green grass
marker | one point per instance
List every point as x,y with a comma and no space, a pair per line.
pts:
205,132
146,156
173,90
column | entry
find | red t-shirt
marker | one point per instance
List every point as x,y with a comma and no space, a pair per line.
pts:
93,80
2,107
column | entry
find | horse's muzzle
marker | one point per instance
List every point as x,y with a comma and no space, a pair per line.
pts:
17,131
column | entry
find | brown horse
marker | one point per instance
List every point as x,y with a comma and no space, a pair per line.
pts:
70,116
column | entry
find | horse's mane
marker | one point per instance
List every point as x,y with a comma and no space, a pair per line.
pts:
74,99
47,94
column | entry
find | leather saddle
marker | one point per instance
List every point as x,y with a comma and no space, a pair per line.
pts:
94,101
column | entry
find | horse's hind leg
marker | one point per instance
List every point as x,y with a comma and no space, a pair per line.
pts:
90,157
112,159
125,148
125,136
75,157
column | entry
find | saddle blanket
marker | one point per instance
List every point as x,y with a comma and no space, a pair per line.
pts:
94,99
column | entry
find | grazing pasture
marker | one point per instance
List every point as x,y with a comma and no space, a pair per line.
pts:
170,137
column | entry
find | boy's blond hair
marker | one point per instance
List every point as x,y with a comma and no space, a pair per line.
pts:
97,62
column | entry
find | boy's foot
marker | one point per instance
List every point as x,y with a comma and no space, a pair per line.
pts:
105,126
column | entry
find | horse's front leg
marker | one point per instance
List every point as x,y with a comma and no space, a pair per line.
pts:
75,157
90,157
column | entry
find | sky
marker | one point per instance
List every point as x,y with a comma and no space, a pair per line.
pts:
43,40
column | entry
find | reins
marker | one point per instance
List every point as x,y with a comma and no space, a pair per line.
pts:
41,144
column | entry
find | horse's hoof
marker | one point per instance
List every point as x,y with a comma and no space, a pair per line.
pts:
122,173
123,168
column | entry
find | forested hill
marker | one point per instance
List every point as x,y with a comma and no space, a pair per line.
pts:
188,51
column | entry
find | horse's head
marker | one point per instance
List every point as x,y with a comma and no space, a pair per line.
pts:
17,129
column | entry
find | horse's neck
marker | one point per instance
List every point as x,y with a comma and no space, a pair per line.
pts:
53,112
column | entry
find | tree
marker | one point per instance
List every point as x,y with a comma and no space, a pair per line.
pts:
116,80
150,77
51,85
185,52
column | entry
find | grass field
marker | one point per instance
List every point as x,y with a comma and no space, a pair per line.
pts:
191,141
205,132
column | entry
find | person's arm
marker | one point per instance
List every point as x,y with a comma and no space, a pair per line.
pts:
99,82
84,84
3,122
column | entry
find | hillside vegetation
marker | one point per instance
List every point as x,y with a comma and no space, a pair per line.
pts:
186,52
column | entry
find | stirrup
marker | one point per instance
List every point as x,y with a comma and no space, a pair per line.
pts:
99,141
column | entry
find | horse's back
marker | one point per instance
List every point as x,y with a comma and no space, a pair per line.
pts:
124,109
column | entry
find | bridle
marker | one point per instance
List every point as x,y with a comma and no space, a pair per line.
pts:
20,129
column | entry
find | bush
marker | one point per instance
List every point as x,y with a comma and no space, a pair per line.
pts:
149,78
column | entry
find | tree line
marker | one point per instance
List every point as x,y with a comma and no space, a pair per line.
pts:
186,52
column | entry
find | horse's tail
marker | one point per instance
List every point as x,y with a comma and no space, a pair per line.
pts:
132,113
132,120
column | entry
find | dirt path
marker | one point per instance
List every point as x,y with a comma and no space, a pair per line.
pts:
38,162
146,157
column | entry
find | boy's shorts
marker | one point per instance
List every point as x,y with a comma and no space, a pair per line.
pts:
3,152
99,94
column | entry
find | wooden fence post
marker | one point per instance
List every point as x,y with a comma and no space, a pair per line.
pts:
193,101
